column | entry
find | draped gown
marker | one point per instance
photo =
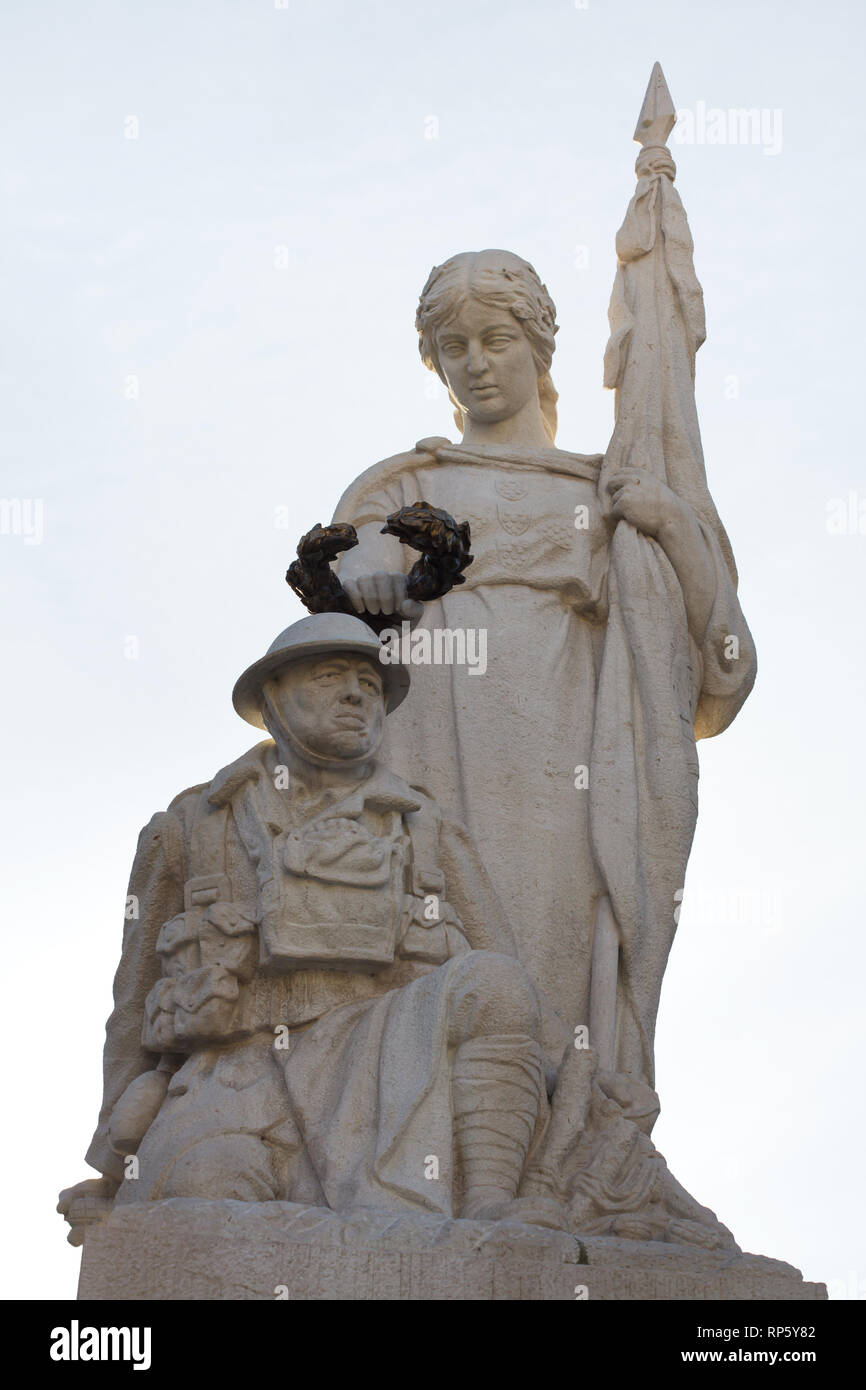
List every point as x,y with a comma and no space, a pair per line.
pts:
566,799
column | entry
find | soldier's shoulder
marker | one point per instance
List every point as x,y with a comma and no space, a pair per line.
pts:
183,806
184,800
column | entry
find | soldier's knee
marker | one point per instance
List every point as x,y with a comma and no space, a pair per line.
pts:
492,993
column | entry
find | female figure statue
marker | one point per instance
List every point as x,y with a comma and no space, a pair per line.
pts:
614,641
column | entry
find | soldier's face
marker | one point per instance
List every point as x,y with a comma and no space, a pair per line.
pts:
334,705
487,361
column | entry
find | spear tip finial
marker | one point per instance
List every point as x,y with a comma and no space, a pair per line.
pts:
658,114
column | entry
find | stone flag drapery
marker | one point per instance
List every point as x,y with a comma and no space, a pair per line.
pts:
659,688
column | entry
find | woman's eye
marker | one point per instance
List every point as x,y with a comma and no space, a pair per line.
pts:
498,342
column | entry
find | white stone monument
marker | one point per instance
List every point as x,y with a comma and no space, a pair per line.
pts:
384,1026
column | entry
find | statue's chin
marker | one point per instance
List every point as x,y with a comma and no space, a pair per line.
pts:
489,412
346,743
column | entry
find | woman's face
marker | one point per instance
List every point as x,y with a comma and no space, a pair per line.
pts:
487,361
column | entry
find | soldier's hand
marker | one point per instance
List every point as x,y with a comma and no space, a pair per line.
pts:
684,1232
86,1203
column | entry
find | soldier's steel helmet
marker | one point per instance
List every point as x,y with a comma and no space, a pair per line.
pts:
313,636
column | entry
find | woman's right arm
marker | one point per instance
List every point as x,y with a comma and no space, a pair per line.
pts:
373,574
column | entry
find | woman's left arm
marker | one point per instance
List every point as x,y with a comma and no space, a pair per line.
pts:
651,506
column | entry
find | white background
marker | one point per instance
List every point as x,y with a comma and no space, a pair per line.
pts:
307,128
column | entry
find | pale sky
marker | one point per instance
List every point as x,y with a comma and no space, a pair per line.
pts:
214,320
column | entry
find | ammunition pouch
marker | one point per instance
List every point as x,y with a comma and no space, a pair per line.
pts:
208,951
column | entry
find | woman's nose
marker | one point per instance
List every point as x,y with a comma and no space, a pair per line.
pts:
477,359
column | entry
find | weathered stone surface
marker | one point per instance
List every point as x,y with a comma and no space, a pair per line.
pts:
188,1249
385,1012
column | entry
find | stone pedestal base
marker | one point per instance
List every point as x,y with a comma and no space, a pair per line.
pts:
191,1249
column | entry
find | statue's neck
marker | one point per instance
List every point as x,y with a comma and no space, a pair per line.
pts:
526,427
337,777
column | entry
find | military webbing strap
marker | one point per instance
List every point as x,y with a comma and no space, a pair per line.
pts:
208,856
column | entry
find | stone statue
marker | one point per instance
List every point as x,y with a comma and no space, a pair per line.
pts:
606,590
301,1013
421,983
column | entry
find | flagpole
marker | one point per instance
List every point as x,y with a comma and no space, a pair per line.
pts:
654,125
656,321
